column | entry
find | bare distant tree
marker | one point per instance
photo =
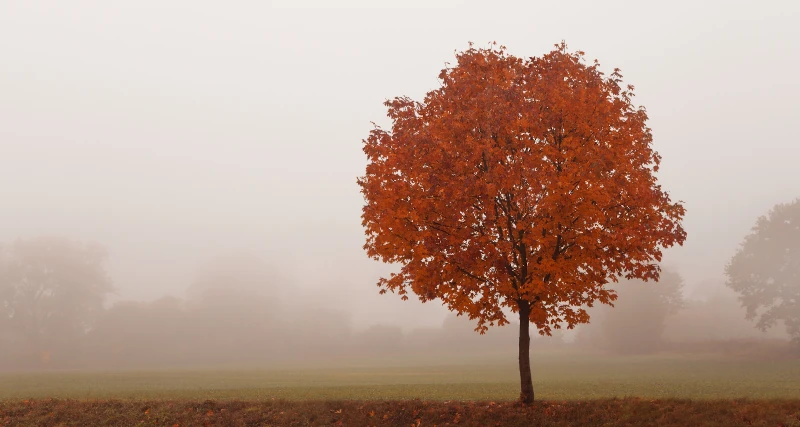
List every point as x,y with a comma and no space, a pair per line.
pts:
766,270
51,289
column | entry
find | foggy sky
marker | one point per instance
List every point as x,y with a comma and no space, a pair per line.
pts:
176,131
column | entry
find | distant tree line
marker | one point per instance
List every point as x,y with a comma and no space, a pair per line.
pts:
53,315
53,293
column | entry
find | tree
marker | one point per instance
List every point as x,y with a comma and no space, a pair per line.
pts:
519,184
637,322
232,303
380,340
138,334
51,289
765,271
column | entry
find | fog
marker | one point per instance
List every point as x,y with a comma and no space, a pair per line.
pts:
202,143
238,312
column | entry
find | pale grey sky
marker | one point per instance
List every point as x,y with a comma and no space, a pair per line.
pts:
174,131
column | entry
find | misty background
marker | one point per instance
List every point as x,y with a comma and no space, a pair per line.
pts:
177,133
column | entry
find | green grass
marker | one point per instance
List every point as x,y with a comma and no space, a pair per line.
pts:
555,378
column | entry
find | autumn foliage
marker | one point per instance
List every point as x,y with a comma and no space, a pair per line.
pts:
519,184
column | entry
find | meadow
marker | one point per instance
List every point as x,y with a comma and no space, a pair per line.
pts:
556,377
571,390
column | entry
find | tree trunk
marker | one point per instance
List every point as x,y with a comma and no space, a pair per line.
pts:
525,380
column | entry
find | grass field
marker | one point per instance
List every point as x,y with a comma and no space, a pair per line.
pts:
570,390
555,378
